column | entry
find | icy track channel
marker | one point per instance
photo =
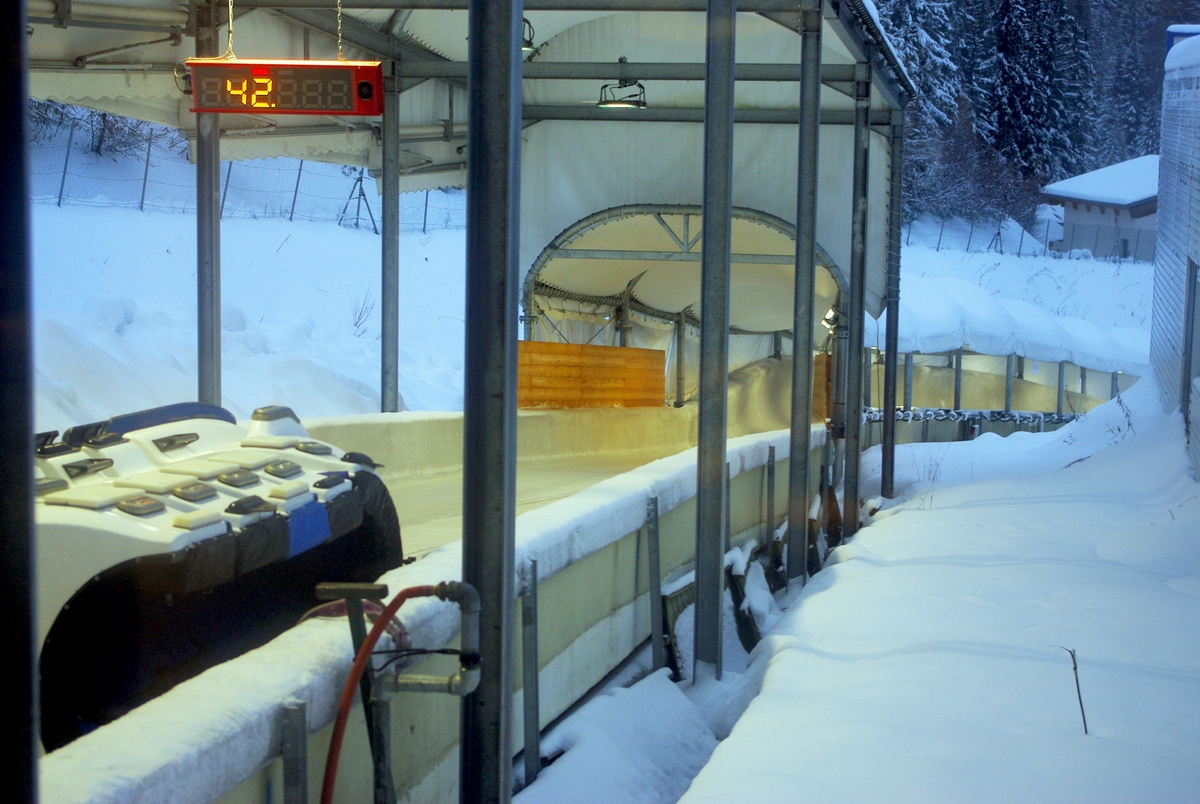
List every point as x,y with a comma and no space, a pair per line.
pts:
923,663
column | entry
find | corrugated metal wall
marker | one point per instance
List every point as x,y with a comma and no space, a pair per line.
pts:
1178,233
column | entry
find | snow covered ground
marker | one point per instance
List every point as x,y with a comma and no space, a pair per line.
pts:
115,308
924,662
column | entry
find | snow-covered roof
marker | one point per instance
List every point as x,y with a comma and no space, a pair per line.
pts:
1186,53
1183,29
1125,184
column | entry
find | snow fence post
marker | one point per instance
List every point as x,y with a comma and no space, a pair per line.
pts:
293,727
529,675
658,647
146,172
296,192
62,185
225,189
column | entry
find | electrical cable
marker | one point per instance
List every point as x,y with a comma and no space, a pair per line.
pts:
351,689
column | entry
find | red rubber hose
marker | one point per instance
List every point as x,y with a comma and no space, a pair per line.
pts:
350,691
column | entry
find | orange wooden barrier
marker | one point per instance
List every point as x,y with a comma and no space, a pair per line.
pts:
571,375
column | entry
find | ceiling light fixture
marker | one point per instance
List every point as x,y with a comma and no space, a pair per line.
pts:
627,93
527,35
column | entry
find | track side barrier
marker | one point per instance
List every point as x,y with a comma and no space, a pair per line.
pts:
220,736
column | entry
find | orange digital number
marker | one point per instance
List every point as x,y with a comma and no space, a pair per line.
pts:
263,89
239,92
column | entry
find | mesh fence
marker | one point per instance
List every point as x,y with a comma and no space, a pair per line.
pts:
64,170
1045,239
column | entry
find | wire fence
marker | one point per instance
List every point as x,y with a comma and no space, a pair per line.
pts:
65,170
1047,238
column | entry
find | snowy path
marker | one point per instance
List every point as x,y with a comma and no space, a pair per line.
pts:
922,665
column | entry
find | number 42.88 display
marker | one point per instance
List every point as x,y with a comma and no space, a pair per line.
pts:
233,86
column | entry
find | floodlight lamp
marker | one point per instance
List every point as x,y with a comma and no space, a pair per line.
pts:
829,319
627,93
527,35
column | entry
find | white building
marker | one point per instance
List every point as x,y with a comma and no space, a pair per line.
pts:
1111,212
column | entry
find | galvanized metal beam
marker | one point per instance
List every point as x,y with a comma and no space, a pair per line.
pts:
208,226
856,307
490,387
389,377
714,330
805,284
891,337
750,6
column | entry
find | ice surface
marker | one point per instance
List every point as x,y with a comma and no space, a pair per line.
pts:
1123,184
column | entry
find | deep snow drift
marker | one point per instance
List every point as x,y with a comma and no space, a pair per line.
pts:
115,310
924,663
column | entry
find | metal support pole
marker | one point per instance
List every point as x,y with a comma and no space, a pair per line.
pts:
490,387
802,304
529,676
1115,389
777,345
1062,385
891,337
389,381
771,494
299,173
62,184
146,172
680,366
208,226
381,750
1008,383
714,328
908,380
855,311
294,743
958,369
1082,381
868,367
841,335
658,645
728,516
19,625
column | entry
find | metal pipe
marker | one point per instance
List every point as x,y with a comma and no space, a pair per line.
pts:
82,61
958,370
490,386
529,675
114,13
466,680
208,226
628,71
856,311
680,344
19,625
1008,383
1062,385
891,338
800,437
664,114
714,329
658,645
908,380
389,379
748,6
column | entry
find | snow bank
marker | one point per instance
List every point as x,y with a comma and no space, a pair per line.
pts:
1124,184
640,745
940,315
197,741
924,663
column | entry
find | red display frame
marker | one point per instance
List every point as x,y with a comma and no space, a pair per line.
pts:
274,86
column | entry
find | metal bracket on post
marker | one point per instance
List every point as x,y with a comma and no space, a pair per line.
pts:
658,646
529,675
294,743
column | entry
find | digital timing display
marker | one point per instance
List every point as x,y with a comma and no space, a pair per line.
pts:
287,87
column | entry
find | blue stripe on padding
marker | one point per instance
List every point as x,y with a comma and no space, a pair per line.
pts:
308,526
